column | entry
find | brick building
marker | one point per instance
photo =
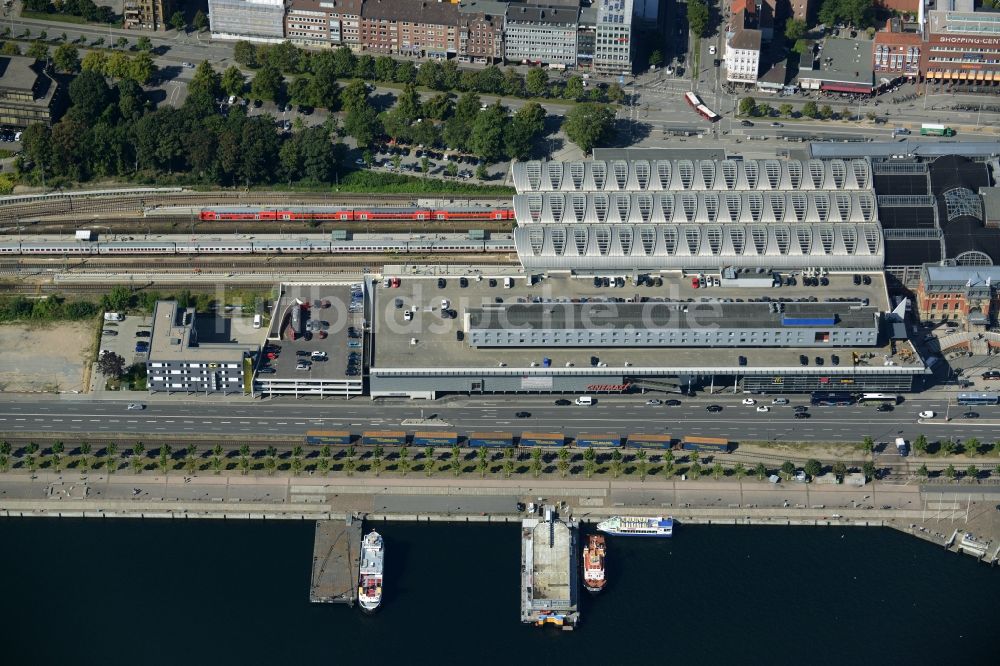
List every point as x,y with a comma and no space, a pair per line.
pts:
324,23
896,52
480,30
963,46
417,28
964,294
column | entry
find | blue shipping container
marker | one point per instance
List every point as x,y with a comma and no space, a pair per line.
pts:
490,439
788,320
435,439
383,438
542,439
604,441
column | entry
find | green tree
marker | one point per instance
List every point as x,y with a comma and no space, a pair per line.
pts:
141,68
527,125
38,50
111,464
951,446
573,89
718,471
165,453
826,112
144,43
404,460
4,462
656,58
868,445
362,123
694,471
66,58
536,462
920,444
748,105
428,461
642,465
972,473
271,461
616,463
868,469
537,82
698,17
85,450
233,82
589,462
377,460
813,467
110,365
178,21
739,471
839,470
972,446
794,30
191,459
200,21
785,110
922,471
764,110
482,462
589,125
563,463
267,83
245,53
760,471
809,109
456,460
486,138
950,472
205,81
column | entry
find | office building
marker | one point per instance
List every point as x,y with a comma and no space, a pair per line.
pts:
179,362
27,93
324,23
541,34
613,46
253,20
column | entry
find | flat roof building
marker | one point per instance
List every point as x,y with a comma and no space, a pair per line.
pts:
27,93
178,361
253,20
963,45
839,65
324,23
541,34
147,14
614,43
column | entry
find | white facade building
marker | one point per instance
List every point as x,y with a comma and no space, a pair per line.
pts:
253,20
742,56
613,46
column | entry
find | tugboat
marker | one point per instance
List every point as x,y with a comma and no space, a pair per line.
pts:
593,564
370,578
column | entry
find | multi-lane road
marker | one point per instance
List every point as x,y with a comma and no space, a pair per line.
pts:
244,420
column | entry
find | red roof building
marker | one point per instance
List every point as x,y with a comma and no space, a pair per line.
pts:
896,52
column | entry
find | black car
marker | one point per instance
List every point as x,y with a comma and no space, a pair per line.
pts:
802,415
857,279
442,283
746,123
302,352
803,359
884,407
522,415
743,360
866,279
819,360
824,282
492,282
142,334
672,403
834,359
801,408
563,402
991,374
970,415
714,408
463,282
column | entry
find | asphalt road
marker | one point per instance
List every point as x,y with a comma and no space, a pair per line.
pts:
611,414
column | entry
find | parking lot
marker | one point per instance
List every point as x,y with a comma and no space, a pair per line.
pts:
128,338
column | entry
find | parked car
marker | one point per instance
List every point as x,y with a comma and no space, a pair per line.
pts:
108,331
303,365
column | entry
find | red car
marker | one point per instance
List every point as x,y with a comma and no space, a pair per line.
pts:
694,283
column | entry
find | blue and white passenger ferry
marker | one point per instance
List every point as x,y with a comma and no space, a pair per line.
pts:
638,526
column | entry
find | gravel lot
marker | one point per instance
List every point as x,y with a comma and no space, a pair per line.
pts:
45,357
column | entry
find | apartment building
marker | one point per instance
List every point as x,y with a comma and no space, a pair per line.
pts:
742,56
613,47
541,34
480,30
147,14
417,28
253,20
324,23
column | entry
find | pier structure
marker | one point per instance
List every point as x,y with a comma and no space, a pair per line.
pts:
336,561
549,581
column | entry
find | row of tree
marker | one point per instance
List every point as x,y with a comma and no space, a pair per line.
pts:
85,9
858,13
343,63
19,308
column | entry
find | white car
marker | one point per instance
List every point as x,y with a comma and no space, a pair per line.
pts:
136,405
711,49
749,402
653,401
318,355
763,408
926,414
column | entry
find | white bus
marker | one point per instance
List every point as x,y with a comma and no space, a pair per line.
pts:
879,397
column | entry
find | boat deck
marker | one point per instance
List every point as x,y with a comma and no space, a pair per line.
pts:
549,571
336,558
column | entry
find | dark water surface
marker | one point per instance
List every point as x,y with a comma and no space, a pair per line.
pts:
213,592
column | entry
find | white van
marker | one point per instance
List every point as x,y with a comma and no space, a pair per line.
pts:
584,400
114,316
258,320
508,282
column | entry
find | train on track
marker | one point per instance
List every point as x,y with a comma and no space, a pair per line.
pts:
267,247
355,214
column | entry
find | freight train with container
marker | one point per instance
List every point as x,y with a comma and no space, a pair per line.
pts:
261,247
354,214
548,440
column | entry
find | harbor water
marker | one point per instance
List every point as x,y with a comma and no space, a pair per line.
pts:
237,592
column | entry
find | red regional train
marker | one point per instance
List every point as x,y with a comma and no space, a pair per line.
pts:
348,214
